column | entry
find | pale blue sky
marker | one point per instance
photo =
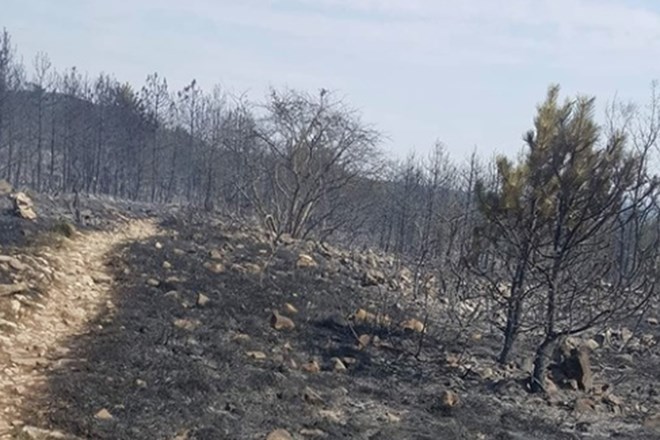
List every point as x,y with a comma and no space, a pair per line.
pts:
468,73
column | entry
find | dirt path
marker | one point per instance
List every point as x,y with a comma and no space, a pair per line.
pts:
80,291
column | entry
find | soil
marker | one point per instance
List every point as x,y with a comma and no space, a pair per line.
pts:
158,326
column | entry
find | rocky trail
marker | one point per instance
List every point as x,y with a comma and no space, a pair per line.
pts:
76,284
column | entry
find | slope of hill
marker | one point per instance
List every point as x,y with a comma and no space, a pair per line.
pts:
173,325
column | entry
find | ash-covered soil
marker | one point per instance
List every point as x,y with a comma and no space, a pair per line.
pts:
185,347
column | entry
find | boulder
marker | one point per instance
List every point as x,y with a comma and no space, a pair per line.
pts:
576,366
23,206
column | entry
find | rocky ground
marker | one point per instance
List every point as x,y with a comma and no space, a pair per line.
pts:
161,325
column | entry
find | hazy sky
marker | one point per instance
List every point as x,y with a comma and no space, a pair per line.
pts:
468,73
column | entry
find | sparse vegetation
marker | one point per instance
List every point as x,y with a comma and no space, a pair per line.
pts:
299,279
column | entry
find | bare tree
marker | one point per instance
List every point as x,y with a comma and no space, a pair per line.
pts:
315,148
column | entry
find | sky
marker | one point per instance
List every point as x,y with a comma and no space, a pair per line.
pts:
465,73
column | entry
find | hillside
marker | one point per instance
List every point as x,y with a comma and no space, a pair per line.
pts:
152,323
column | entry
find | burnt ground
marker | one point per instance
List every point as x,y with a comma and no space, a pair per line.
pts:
166,366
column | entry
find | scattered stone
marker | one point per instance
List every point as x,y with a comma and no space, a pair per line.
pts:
13,262
257,355
8,324
613,400
591,344
413,324
23,206
167,265
279,434
140,383
12,289
158,245
172,294
383,320
313,433
240,337
626,335
647,340
332,415
312,367
187,324
487,373
652,321
101,278
215,254
173,279
363,316
34,433
305,261
286,239
216,268
449,399
153,282
550,387
584,405
103,414
311,397
290,309
372,278
338,366
15,306
364,341
392,418
202,300
279,322
252,268
349,360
